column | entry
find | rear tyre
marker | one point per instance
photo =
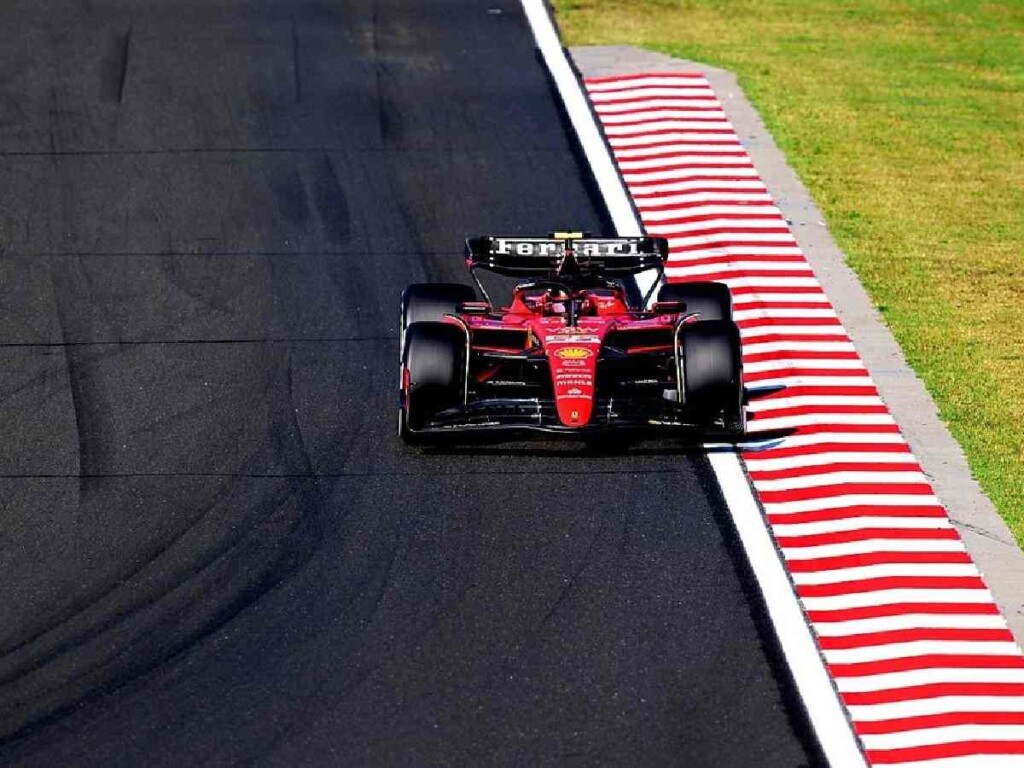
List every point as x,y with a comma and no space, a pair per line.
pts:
433,376
713,374
430,302
712,301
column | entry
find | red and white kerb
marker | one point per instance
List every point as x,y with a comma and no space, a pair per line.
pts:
921,656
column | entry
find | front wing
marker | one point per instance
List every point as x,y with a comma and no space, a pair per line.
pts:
502,416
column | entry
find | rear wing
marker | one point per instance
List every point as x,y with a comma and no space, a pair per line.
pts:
566,254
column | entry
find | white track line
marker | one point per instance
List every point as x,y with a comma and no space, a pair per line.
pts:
929,676
576,105
967,761
936,705
851,548
824,709
913,621
949,734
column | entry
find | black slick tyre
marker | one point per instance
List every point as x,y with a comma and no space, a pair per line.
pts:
712,374
433,376
430,302
712,301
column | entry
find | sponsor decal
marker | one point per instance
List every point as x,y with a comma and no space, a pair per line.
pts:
572,336
570,379
508,246
573,353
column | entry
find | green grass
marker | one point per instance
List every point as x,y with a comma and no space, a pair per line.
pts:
906,122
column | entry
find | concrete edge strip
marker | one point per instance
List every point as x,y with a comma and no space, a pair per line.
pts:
824,709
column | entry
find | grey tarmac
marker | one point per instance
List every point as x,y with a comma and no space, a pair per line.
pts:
215,549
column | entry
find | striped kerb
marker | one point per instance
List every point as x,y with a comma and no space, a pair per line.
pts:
923,660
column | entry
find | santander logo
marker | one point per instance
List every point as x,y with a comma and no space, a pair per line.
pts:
573,353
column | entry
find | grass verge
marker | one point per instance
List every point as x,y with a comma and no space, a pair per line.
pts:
906,122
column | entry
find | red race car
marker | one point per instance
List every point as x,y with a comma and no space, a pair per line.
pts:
576,351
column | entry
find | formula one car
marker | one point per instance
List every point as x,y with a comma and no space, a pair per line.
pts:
569,354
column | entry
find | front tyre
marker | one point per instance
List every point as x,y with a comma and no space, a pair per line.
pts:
712,374
433,376
430,302
711,301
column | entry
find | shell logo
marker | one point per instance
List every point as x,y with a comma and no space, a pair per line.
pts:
573,353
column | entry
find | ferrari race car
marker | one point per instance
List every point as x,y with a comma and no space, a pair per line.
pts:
571,353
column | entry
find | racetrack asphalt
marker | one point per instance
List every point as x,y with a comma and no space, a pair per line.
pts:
215,549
